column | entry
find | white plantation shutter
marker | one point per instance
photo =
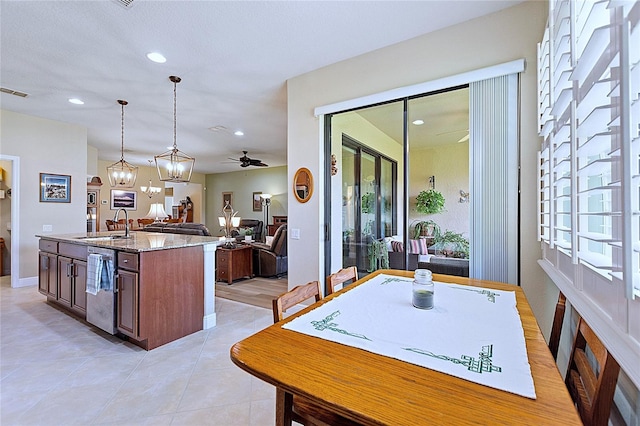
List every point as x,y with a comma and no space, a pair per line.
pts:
589,163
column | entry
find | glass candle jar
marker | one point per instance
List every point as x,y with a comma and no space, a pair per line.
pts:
422,289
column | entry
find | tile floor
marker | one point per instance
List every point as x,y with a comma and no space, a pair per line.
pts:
56,370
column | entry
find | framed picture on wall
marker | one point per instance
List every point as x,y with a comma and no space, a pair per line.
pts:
227,197
55,188
257,202
121,199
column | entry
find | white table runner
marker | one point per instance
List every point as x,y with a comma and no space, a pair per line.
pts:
472,333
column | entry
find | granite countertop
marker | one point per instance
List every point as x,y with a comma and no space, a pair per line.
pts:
137,242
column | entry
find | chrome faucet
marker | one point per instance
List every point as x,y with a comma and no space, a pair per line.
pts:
126,221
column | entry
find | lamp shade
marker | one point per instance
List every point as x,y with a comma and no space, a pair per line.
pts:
156,211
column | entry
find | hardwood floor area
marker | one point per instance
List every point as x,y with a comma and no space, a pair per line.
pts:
256,291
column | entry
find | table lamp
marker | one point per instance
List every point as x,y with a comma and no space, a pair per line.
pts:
156,211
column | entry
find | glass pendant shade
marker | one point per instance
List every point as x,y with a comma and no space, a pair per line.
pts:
122,174
174,165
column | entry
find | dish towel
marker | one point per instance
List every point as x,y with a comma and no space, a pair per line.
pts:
106,278
94,273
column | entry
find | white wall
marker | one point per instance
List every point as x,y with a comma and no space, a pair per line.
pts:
5,214
45,146
450,165
243,183
498,38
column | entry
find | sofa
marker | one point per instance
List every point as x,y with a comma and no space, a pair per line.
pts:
423,257
256,228
178,228
447,266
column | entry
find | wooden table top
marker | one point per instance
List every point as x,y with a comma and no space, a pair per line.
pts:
374,389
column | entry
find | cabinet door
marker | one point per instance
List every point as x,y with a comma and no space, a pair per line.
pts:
128,303
48,275
65,280
79,286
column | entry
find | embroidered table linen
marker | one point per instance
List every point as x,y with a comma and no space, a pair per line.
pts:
472,333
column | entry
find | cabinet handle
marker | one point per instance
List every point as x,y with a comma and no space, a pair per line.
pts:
68,269
125,261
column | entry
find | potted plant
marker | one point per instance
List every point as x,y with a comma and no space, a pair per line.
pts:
248,234
430,202
452,244
425,228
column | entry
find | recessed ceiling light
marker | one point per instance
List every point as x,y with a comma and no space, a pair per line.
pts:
418,122
156,57
238,133
76,101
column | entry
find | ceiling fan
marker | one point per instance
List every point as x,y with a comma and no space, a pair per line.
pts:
246,161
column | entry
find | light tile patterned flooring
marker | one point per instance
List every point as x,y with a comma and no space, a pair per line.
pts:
56,370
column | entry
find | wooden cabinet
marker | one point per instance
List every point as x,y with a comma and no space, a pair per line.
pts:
93,207
48,274
127,319
277,221
72,277
127,305
160,295
234,263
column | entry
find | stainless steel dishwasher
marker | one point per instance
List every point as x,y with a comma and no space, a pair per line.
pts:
101,307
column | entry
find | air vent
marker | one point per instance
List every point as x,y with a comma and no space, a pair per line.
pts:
13,92
127,4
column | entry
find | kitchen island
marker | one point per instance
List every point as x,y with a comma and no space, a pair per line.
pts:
164,283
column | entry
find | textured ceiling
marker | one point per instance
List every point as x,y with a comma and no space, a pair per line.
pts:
233,57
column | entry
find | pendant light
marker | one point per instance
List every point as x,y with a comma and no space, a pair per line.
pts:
122,174
174,165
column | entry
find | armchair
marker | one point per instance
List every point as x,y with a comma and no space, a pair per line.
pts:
272,259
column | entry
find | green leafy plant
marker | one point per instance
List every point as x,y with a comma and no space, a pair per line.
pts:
430,202
378,256
452,244
425,228
368,203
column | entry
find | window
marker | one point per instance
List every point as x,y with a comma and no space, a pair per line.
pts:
589,163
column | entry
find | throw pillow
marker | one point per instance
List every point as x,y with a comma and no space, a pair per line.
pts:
397,246
419,246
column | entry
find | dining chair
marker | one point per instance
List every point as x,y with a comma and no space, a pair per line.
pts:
341,277
295,408
556,327
592,393
294,296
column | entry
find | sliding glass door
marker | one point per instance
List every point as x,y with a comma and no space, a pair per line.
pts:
368,210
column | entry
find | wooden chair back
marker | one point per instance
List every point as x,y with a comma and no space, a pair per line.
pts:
294,296
143,222
294,408
591,392
556,327
341,277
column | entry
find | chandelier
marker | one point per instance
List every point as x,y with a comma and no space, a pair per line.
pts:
174,165
150,191
122,174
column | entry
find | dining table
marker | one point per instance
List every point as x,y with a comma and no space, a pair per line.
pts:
355,380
